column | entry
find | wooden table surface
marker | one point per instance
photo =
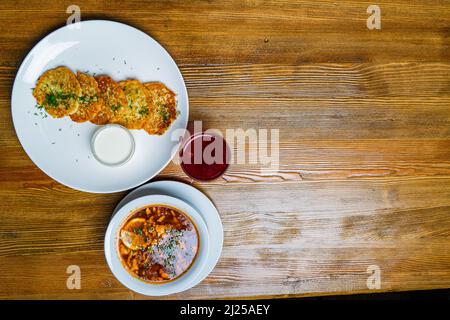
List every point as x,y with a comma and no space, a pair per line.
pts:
364,120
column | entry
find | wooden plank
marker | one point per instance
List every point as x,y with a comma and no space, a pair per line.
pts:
325,236
252,31
299,161
378,99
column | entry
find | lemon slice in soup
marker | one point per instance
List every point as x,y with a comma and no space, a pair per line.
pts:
132,234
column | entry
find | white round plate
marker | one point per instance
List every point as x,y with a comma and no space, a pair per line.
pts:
198,201
61,147
186,280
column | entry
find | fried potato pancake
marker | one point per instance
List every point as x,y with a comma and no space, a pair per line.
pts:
138,104
150,106
90,101
114,101
164,112
58,90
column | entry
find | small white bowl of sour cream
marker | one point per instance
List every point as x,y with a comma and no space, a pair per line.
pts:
112,145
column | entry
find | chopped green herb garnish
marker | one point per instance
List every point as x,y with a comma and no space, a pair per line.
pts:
115,107
87,99
138,231
143,111
50,100
53,99
165,116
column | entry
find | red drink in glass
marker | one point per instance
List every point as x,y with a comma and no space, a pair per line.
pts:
205,156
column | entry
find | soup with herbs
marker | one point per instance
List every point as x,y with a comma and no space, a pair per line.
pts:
158,243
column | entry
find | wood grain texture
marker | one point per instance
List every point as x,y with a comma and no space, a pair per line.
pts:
364,120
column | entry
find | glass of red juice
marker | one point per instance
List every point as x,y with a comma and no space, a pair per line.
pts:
205,156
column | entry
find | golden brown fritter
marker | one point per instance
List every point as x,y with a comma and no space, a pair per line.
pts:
150,106
58,90
164,111
114,101
138,104
90,101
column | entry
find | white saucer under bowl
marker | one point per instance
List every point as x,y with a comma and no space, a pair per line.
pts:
188,279
198,201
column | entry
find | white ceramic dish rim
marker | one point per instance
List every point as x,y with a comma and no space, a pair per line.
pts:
14,93
185,281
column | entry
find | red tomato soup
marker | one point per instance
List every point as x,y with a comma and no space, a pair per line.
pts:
158,243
